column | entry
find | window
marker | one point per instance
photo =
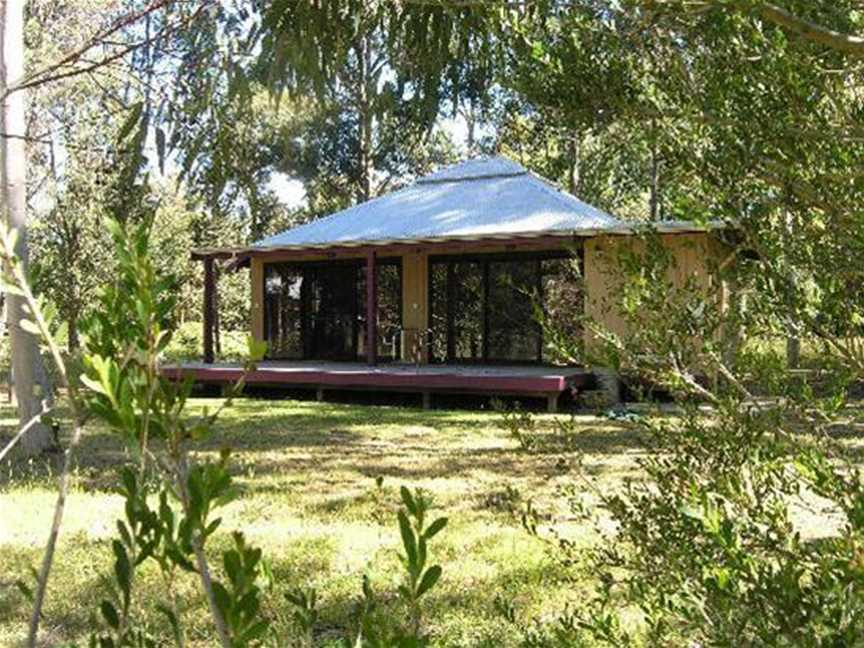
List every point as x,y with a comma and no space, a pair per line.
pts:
563,305
514,332
282,311
317,310
482,307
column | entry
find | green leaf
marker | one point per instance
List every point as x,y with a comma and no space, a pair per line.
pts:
435,528
257,349
232,566
10,288
109,613
429,579
131,121
122,570
408,539
25,589
223,598
173,621
29,326
408,500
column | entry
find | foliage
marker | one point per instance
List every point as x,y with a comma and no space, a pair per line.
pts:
123,388
419,579
124,339
708,547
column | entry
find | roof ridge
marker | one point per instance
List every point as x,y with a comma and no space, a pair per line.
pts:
501,166
428,180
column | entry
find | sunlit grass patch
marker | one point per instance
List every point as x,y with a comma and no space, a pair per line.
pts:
318,488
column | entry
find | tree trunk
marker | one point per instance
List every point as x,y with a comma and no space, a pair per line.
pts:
793,352
574,175
72,328
26,360
654,201
364,62
471,125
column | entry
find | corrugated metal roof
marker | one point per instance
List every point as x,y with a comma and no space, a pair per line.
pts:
478,198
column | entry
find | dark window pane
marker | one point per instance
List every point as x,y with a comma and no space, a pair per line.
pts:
389,310
563,307
514,333
317,311
456,313
282,311
467,315
331,316
438,312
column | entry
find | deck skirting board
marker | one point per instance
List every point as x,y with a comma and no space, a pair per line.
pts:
547,382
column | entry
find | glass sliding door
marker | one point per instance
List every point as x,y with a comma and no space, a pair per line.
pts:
389,310
332,323
563,306
317,310
283,311
457,293
485,307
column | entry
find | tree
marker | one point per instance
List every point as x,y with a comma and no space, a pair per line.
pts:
26,361
115,40
377,105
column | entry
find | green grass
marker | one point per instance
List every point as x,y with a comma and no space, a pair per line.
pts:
309,500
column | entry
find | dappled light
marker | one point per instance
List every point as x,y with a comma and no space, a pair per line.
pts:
306,477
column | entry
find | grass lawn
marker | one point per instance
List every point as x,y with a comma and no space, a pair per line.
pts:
309,500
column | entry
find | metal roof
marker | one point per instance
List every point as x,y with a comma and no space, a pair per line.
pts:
479,198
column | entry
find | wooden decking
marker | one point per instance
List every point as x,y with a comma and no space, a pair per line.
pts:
531,381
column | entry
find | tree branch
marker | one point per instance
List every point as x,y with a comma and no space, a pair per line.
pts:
24,429
96,40
38,80
848,43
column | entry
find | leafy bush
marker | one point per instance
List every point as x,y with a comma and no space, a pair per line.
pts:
714,544
172,500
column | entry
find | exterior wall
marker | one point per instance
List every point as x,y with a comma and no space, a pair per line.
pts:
256,275
415,306
695,255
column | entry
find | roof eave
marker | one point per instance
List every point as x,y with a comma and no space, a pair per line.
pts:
623,228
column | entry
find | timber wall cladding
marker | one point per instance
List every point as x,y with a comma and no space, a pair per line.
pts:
694,256
256,274
415,306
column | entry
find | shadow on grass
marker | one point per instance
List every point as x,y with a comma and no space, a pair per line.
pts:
282,437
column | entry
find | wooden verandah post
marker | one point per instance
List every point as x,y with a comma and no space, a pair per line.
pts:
371,309
209,308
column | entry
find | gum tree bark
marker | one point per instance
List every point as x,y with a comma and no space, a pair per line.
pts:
26,360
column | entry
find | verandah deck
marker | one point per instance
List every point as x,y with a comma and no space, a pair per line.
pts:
492,380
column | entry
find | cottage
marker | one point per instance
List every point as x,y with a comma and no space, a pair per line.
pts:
435,287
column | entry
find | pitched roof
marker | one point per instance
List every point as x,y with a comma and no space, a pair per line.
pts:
478,198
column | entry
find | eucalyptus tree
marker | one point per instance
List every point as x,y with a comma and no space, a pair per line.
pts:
571,63
61,48
778,118
26,364
380,73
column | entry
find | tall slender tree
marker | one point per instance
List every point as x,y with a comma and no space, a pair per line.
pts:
27,365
